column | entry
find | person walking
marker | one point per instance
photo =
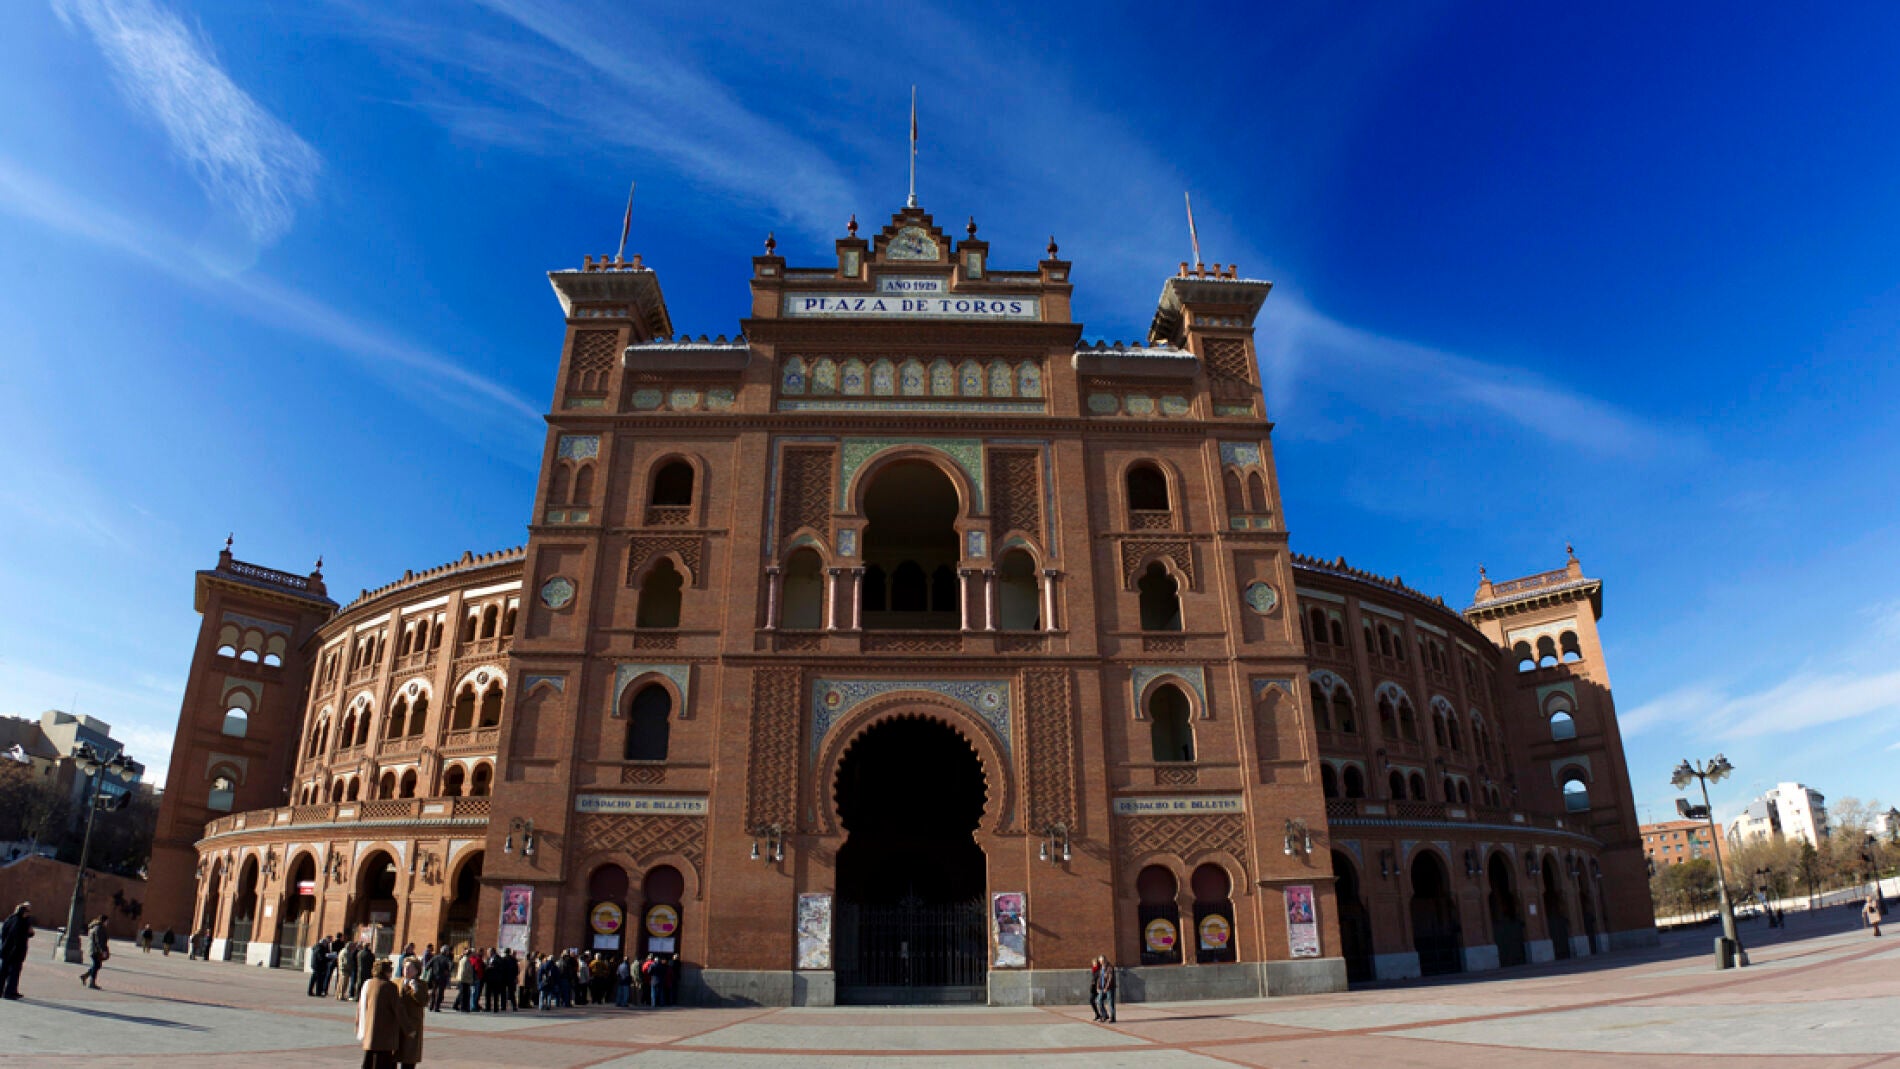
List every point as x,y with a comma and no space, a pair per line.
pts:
1095,990
1871,914
412,1006
1105,987
379,1019
96,949
145,939
14,933
168,937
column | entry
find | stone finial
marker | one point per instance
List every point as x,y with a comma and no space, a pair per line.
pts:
771,243
228,540
971,228
1052,247
852,226
1570,552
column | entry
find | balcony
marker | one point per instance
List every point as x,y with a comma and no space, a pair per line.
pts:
471,738
1453,814
481,647
669,515
363,674
1150,519
384,811
409,662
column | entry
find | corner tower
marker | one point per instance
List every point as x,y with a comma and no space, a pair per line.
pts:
240,718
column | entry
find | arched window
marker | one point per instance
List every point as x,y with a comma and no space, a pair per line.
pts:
873,592
419,714
1408,722
464,717
1159,916
910,589
1417,784
1571,649
1316,623
1395,785
1438,727
223,792
491,706
1464,793
1339,633
386,787
1328,781
1451,789
1388,718
911,508
1160,599
236,722
469,624
398,716
1322,713
649,713
508,620
1562,727
479,783
1343,711
1213,914
1353,781
1576,792
1546,652
660,596
408,788
1256,492
802,592
583,491
1385,641
1018,601
452,780
355,788
673,484
491,621
1170,735
1236,496
1451,729
1525,661
1147,491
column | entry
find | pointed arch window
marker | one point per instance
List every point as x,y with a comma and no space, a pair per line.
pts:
649,713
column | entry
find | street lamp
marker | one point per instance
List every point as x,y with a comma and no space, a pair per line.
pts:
1716,770
93,764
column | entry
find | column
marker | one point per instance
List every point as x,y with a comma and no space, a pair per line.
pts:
989,599
772,585
831,603
857,598
963,596
1049,576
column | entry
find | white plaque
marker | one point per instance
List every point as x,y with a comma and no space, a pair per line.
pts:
1178,805
666,804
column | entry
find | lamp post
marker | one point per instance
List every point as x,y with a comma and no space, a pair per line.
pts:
92,764
1715,770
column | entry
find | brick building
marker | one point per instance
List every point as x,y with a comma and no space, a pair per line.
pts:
1675,841
907,646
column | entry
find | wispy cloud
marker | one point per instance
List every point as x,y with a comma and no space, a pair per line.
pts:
1861,682
245,158
437,378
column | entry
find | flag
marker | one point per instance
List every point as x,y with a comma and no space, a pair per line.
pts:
626,224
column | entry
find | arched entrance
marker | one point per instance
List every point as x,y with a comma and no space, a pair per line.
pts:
1435,930
375,903
1355,925
214,892
458,919
244,910
298,913
1507,924
607,910
911,878
1587,909
1556,917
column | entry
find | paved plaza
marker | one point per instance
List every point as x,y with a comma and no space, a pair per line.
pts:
1820,993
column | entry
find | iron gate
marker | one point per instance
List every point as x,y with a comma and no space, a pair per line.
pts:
913,952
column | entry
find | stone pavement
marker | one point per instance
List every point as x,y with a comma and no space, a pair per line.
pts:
1821,993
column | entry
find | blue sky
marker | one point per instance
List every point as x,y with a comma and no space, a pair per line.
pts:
1619,275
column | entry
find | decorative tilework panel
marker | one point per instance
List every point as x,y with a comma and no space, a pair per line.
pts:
831,699
681,676
1239,454
966,453
578,446
1194,677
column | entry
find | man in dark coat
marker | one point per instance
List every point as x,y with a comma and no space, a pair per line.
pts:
345,969
319,967
439,967
98,950
365,961
14,933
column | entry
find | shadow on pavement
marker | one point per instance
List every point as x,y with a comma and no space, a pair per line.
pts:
155,1022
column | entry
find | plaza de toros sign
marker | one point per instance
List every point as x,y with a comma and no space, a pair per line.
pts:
910,298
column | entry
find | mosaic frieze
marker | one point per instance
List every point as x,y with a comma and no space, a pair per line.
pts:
905,382
987,699
578,446
967,453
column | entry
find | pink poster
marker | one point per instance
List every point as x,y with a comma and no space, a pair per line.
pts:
517,906
1302,923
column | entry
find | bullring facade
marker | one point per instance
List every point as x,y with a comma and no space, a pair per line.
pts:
907,647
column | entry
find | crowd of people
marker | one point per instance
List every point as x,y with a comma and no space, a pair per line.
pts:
497,980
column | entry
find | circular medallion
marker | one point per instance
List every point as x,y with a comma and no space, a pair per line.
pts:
683,400
1160,935
662,921
413,688
1215,932
1262,598
833,699
1139,404
1103,403
991,699
607,918
1174,406
481,679
557,592
647,399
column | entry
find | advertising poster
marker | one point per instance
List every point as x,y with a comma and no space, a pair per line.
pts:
1012,930
663,921
517,908
814,931
1302,924
606,919
1216,932
1160,937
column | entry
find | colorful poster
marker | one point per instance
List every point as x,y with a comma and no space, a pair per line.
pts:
662,921
1302,923
517,909
1012,930
814,931
1216,932
1160,936
606,918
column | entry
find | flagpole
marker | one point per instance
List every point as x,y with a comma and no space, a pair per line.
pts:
912,202
626,225
1193,235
